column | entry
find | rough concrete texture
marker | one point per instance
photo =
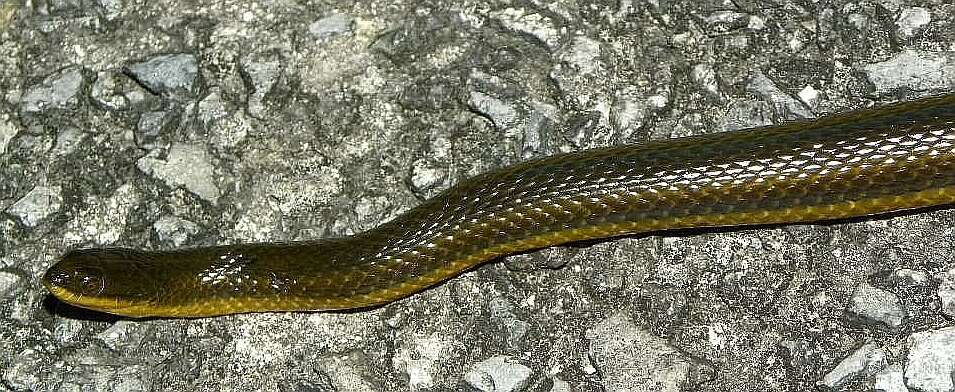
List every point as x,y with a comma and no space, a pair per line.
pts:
157,124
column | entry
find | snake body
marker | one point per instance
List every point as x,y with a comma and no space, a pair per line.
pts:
871,161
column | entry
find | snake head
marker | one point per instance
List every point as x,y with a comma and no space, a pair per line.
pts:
109,280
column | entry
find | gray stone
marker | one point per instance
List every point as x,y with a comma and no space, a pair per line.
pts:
225,124
103,91
874,306
913,70
420,358
10,282
123,335
503,312
186,165
503,114
346,373
535,128
56,91
175,230
152,125
500,373
211,109
171,75
705,77
890,379
312,187
584,55
931,360
863,362
723,21
111,8
632,359
786,107
426,176
809,95
67,330
537,25
946,292
7,131
911,20
114,91
26,371
911,278
747,114
331,25
67,140
37,204
262,73
627,114
561,386
105,219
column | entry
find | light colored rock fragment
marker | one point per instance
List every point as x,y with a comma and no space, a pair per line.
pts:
263,71
809,95
498,374
331,25
169,74
426,175
911,277
705,77
931,360
864,361
946,292
632,359
627,114
9,283
874,306
105,220
36,205
186,165
67,140
347,373
7,132
786,106
911,20
123,335
421,357
584,55
913,70
535,24
174,229
111,8
503,114
561,386
57,91
25,371
890,379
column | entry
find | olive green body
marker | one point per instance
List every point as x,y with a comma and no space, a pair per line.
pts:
871,161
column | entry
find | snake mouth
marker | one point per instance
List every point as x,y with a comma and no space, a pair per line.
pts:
99,304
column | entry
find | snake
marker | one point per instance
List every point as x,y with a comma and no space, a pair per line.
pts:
870,161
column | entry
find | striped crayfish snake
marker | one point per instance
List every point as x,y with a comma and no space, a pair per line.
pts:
889,158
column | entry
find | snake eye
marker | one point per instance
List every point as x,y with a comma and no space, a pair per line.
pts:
79,281
90,284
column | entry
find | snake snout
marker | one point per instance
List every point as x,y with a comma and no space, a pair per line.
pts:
85,281
77,281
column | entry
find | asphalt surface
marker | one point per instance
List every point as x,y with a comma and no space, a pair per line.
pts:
159,124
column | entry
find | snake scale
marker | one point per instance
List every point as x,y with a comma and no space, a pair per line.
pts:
888,158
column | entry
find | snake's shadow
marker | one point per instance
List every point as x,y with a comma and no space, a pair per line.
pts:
62,309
